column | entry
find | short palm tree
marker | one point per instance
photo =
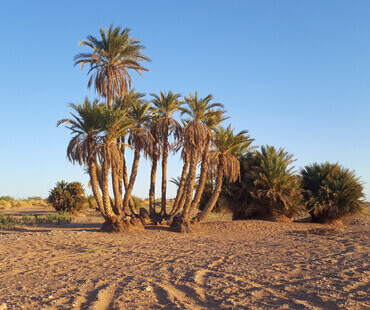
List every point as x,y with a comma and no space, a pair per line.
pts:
110,59
83,147
331,191
165,106
276,184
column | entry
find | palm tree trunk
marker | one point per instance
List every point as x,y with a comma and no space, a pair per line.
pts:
124,176
126,200
182,223
202,178
105,190
180,190
189,185
109,93
116,188
164,173
95,186
153,175
212,201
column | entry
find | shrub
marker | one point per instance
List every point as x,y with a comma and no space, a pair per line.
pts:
331,192
138,202
6,198
68,197
7,220
269,187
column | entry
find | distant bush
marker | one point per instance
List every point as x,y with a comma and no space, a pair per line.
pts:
68,197
6,198
7,202
34,198
138,202
331,192
269,188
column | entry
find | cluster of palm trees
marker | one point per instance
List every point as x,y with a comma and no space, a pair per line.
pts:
123,119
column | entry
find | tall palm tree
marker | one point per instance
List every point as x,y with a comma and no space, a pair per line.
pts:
126,103
111,57
211,123
140,139
166,105
224,159
115,124
196,137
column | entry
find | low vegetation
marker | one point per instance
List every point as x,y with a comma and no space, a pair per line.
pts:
331,192
269,187
10,221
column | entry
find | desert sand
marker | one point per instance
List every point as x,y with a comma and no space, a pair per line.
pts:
225,265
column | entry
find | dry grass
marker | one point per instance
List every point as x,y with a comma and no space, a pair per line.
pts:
8,203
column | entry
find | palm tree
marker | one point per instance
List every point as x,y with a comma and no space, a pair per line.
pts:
196,137
211,123
115,124
83,147
140,139
224,160
126,103
331,192
109,61
166,105
276,185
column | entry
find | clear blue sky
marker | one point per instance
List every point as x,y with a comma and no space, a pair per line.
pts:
296,74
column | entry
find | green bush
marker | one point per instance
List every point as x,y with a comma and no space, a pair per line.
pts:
331,192
68,197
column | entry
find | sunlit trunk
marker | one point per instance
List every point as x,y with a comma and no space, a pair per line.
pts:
126,201
153,175
95,186
180,190
116,187
212,201
202,179
164,173
105,189
189,185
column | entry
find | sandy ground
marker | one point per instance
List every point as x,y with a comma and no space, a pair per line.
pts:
226,265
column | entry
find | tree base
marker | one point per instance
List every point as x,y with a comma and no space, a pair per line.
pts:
119,225
181,224
145,218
